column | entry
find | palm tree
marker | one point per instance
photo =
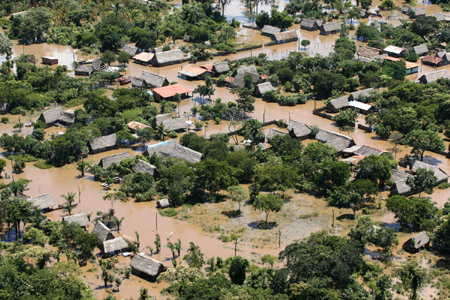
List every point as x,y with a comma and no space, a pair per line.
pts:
69,204
82,166
118,223
161,132
115,195
171,246
178,247
252,130
396,139
150,250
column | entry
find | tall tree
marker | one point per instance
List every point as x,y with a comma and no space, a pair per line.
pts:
5,46
422,140
69,202
268,203
237,194
413,277
424,180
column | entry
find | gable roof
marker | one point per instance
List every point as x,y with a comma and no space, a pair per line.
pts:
144,167
273,132
355,95
42,202
241,72
360,105
107,161
130,50
440,175
270,30
334,139
433,76
171,90
421,49
420,240
114,245
265,87
338,103
146,265
329,27
172,149
57,114
310,23
102,231
169,56
367,150
368,52
80,219
221,67
103,142
400,186
144,57
393,49
285,36
153,80
299,130
134,125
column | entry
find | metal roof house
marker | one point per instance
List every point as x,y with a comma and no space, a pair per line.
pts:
433,76
103,143
107,161
44,202
81,219
169,91
394,51
143,58
166,58
163,203
146,267
57,115
299,130
193,72
363,108
330,28
172,149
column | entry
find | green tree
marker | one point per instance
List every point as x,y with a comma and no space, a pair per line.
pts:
413,277
424,180
213,175
158,243
305,43
252,130
5,46
268,203
82,166
161,132
143,294
237,194
171,246
375,168
2,166
108,57
69,204
346,118
178,247
123,57
194,256
238,268
422,140
19,165
114,196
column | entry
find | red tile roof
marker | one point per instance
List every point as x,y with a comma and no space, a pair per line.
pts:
171,90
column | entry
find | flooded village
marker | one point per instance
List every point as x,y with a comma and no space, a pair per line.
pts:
219,162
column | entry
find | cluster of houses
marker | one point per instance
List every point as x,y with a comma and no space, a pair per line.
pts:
316,24
351,101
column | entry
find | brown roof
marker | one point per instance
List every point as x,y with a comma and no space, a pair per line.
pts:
144,56
171,90
197,70
432,59
133,125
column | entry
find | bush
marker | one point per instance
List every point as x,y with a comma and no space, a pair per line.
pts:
168,212
5,120
412,56
42,165
173,135
444,185
270,96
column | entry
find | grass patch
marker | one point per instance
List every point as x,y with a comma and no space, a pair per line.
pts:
168,212
309,215
225,238
24,157
444,185
42,165
131,114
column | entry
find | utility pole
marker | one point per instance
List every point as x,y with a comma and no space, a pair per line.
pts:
279,238
156,219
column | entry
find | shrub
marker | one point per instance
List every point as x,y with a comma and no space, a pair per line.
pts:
5,120
168,212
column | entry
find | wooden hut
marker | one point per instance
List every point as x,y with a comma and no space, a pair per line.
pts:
130,50
102,231
44,202
299,130
433,76
107,161
334,139
368,54
172,149
145,167
330,28
103,143
143,58
239,76
274,132
286,37
166,58
221,68
421,49
440,175
264,87
115,246
400,185
57,115
310,24
270,31
169,91
48,60
417,242
146,267
163,203
335,105
362,93
80,219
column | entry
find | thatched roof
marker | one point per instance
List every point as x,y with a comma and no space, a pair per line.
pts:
57,115
107,161
137,82
310,24
146,265
169,57
440,175
418,11
170,124
160,119
273,132
331,27
334,139
115,245
130,50
43,202
265,87
221,67
443,55
337,104
286,36
420,240
84,70
364,93
172,149
103,142
144,167
102,231
421,49
270,30
299,130
434,76
80,219
400,186
163,203
440,16
368,52
153,80
367,150
241,72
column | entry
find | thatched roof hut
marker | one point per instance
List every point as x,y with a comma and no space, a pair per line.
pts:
221,68
335,105
103,143
421,49
170,124
334,139
366,53
145,167
310,24
265,87
400,186
273,132
441,176
330,28
168,58
107,161
130,50
102,231
299,130
80,219
270,31
363,150
414,244
44,202
241,72
172,149
115,246
286,37
152,80
146,267
433,76
57,115
163,203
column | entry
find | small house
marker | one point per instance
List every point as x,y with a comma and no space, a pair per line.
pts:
274,132
440,175
115,246
102,231
432,60
162,203
433,76
146,267
299,130
103,143
149,80
310,24
170,124
270,31
143,58
335,105
394,51
169,91
362,93
334,139
330,28
400,185
240,74
264,87
145,167
445,58
130,50
368,54
417,242
421,49
413,12
48,60
44,202
286,37
221,68
107,161
80,219
193,72
363,150
84,70
361,107
166,58
57,115
135,126
172,149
